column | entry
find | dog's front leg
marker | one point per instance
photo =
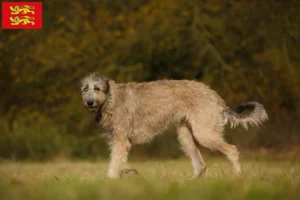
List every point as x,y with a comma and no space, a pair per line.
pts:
119,152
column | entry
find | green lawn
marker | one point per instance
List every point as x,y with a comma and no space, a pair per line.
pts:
158,180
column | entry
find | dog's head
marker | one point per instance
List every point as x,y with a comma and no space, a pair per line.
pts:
94,90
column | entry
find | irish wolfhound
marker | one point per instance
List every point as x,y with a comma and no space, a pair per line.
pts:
134,113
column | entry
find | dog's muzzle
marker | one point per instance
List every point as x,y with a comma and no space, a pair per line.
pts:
91,104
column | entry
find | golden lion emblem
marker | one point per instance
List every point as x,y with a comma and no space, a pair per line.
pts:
21,20
15,10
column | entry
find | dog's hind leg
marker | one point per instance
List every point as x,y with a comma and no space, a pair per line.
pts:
212,139
232,154
190,148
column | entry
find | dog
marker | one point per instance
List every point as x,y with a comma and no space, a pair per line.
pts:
133,113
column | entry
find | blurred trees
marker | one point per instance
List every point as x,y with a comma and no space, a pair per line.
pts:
246,50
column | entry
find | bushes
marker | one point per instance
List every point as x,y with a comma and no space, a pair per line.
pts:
44,140
38,140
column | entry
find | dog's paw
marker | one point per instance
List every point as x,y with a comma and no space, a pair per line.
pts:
113,175
129,172
199,173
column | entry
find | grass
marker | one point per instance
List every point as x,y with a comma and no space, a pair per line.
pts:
158,180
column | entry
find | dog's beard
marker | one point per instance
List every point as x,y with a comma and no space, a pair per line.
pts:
93,109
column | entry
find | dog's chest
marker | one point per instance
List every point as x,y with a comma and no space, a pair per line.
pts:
140,138
143,133
106,123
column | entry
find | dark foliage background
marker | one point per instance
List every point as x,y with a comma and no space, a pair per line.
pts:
245,50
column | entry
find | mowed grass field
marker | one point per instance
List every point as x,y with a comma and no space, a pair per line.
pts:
159,179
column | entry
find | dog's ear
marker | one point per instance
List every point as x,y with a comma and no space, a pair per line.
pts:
106,85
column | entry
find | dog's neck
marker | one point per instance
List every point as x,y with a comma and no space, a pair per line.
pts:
99,112
98,115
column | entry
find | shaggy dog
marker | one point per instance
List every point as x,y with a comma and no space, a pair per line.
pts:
134,113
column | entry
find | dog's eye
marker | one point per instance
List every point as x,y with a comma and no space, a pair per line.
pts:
97,89
85,89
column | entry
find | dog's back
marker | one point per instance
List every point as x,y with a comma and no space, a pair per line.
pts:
152,106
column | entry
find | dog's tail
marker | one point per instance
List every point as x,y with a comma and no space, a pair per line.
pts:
255,117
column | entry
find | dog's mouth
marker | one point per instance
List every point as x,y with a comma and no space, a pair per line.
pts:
92,108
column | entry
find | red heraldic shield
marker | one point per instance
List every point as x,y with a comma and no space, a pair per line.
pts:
22,15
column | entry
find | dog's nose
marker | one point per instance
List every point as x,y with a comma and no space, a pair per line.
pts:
90,103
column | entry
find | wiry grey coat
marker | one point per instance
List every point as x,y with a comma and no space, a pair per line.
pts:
134,113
